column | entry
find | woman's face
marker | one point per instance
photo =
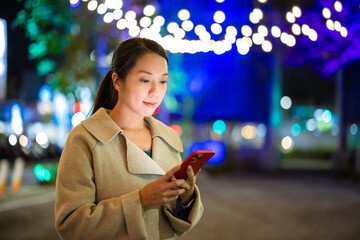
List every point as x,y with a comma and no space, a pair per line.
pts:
145,85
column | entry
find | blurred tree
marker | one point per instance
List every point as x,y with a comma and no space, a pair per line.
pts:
61,39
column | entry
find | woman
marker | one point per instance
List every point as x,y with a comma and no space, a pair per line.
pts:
115,178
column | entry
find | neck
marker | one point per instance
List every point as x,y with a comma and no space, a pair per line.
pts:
125,119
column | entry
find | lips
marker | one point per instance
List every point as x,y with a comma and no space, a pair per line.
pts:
150,104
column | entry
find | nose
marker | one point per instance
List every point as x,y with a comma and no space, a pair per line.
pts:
154,90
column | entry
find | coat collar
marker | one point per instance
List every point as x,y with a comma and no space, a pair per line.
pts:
104,129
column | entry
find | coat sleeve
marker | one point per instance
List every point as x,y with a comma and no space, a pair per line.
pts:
180,226
77,213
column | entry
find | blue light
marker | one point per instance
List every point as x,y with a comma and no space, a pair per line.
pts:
295,129
74,3
45,94
219,127
217,146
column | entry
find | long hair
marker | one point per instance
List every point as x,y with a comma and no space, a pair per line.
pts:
124,59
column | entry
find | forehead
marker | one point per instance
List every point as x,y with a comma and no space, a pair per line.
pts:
151,62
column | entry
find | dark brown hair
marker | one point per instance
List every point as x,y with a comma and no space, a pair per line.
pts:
124,59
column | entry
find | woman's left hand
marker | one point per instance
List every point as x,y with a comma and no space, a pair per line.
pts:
189,186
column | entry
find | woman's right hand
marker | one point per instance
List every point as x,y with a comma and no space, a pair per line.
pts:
162,190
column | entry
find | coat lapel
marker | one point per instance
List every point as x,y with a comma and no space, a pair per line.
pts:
139,162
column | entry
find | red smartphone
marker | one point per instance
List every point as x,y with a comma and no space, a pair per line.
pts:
196,159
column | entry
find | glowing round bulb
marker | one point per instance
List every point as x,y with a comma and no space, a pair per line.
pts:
199,29
231,30
337,26
258,13
249,132
291,40
330,24
287,143
354,129
290,17
248,41
326,13
108,17
262,1
343,32
41,138
159,20
296,11
246,31
242,46
145,22
101,8
130,15
184,14
305,29
23,140
179,33
311,125
275,31
295,28
172,27
187,25
219,17
338,6
216,28
12,139
149,10
219,127
117,14
263,30
313,35
326,116
92,5
266,46
284,37
121,24
285,102
253,18
257,38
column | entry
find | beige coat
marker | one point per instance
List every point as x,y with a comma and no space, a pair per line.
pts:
99,177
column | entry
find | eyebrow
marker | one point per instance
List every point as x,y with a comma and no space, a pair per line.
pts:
149,73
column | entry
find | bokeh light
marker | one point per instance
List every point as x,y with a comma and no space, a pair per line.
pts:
219,127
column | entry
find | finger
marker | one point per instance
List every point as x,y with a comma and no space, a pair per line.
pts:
185,186
173,193
190,174
171,172
198,172
176,183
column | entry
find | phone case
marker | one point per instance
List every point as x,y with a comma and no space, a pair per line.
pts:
196,159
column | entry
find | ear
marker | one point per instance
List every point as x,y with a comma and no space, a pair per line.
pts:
116,81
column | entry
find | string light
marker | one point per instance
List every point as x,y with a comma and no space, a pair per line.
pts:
275,31
295,28
101,9
176,40
290,17
216,28
149,10
184,14
219,17
296,11
92,5
246,31
326,13
338,6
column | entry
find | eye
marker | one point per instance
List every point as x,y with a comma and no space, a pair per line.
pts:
163,82
144,80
